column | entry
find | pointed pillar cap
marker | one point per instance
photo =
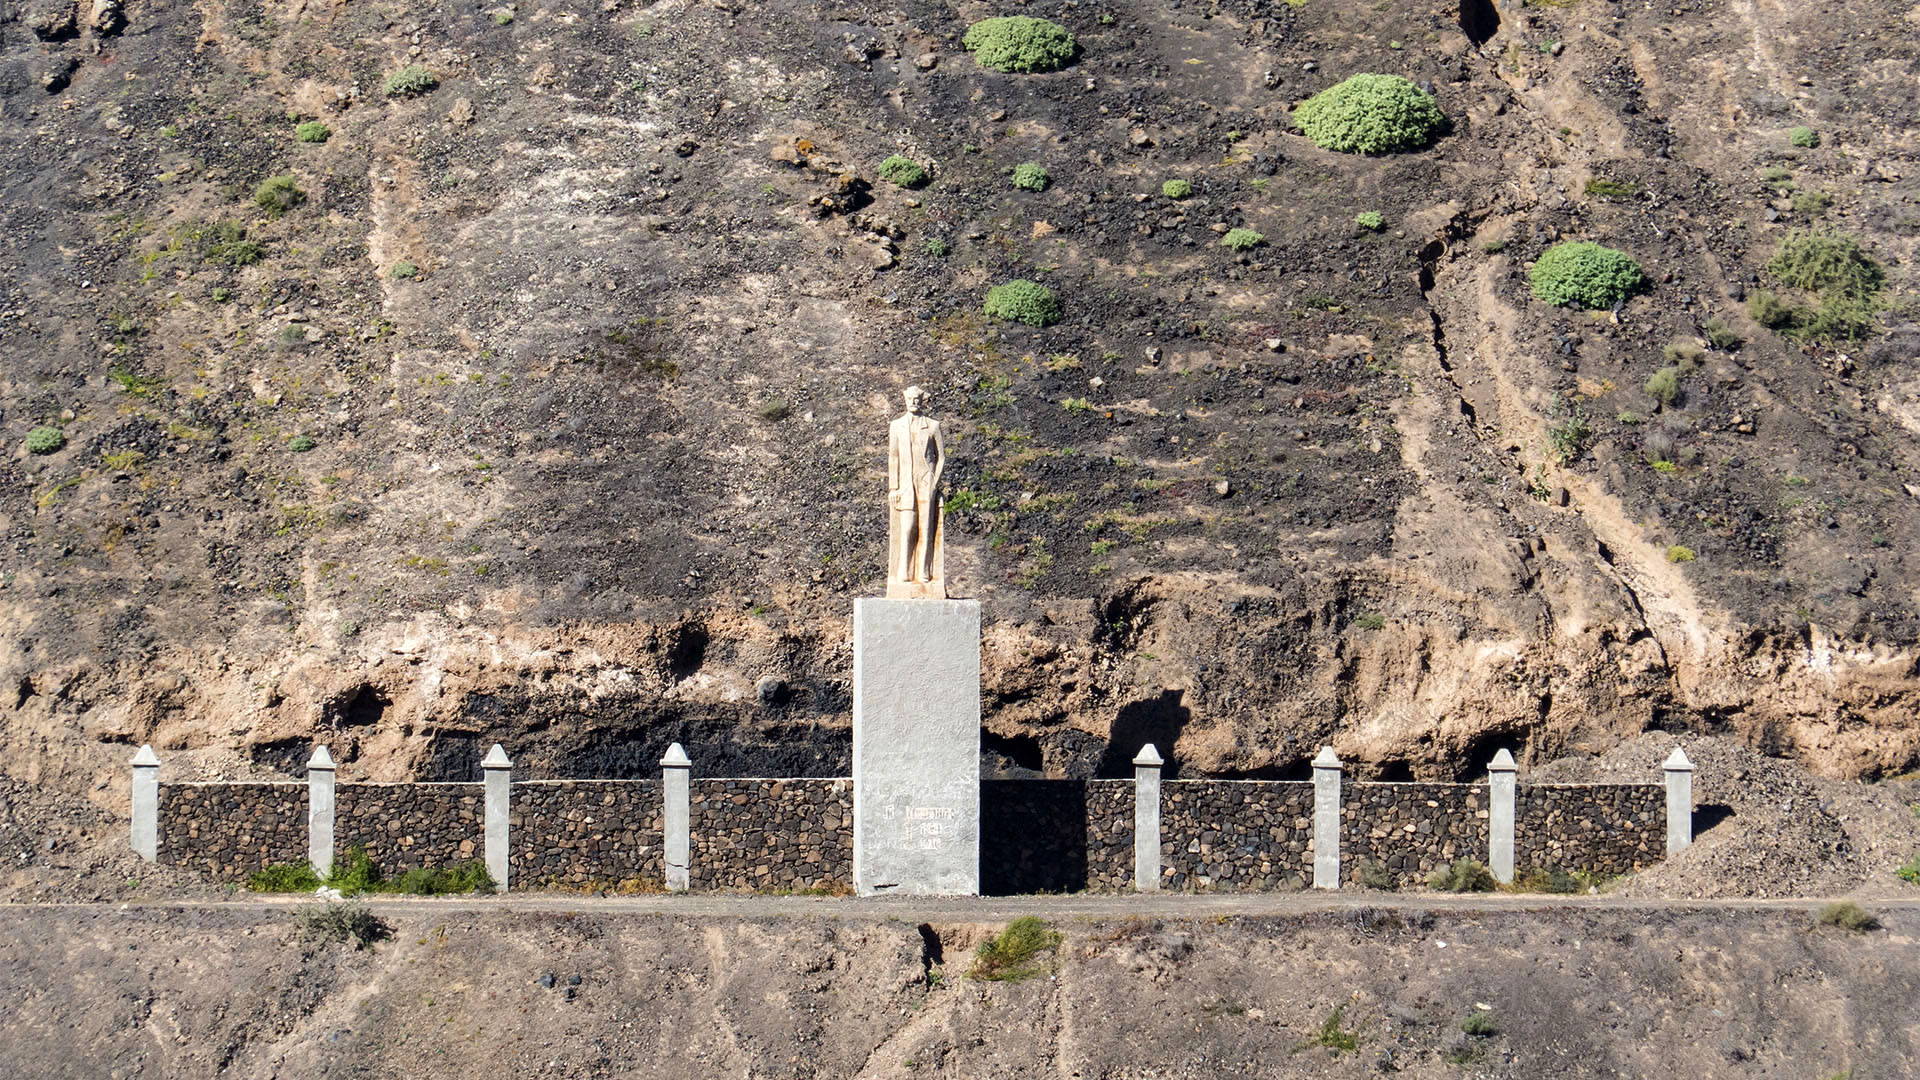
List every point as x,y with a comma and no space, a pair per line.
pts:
676,758
1678,761
1148,756
496,758
1502,762
1326,759
145,758
320,759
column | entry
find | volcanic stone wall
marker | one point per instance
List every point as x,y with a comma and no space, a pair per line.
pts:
409,825
227,831
1410,828
586,833
1235,835
1055,835
768,835
1608,828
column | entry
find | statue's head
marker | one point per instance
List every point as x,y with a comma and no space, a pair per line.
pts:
916,397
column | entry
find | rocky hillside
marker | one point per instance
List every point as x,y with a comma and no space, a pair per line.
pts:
545,402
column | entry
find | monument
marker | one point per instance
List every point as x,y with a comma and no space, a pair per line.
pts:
916,693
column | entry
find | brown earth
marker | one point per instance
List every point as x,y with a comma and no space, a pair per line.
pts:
606,464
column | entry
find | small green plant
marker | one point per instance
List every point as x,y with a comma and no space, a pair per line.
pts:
1494,247
1848,915
1683,354
1007,957
466,877
335,924
1031,176
1803,137
1332,1036
410,81
772,409
1375,875
1369,620
1721,336
1568,433
1020,44
1464,875
1023,301
1664,385
1847,279
1580,273
1769,310
1777,174
1242,239
1076,404
1680,553
503,18
313,131
902,172
1176,189
45,440
283,878
1371,114
300,444
278,194
403,271
1909,871
1547,881
1612,189
1811,203
937,247
220,295
1480,1024
1370,220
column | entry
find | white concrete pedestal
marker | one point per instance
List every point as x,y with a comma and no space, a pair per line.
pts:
916,747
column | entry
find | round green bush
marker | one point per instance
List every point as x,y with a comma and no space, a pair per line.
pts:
1580,273
278,194
1017,43
45,440
902,171
1023,301
300,444
1371,114
1242,239
313,131
1370,220
1031,176
1176,189
1804,137
410,81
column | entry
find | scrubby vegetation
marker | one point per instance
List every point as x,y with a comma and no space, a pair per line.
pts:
335,924
1580,273
300,444
1031,176
1018,43
355,874
1375,875
1008,956
1804,137
1464,875
313,131
1848,915
1243,239
1371,114
1176,189
1334,1037
410,81
1023,301
1847,281
902,171
278,194
45,440
1479,1024
1370,220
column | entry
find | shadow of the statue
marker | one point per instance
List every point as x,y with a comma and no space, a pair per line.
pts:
1157,720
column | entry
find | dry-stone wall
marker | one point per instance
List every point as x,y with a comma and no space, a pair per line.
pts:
1055,835
408,825
1235,835
227,831
1410,828
1606,828
768,835
586,833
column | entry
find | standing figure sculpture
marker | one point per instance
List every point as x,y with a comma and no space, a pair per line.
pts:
915,460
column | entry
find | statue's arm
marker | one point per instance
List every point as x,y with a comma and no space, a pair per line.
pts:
893,459
939,456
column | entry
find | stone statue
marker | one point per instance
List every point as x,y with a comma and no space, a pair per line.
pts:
915,459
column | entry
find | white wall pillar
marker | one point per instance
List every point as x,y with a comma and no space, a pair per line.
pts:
499,778
1326,820
1500,781
146,804
676,818
320,773
1146,819
1679,802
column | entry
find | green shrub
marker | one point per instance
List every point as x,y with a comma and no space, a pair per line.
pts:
313,131
1683,354
1612,189
354,873
410,81
1031,176
773,409
283,878
1370,220
1017,43
332,924
1909,871
1369,620
1580,273
1548,881
902,172
1375,875
1479,1024
1811,203
278,194
1243,239
45,440
937,247
1848,915
1332,1036
1005,958
1816,262
1664,386
464,877
1804,137
403,271
300,444
1721,336
1465,875
1023,301
1680,553
1371,114
1176,189
1769,310
1567,434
